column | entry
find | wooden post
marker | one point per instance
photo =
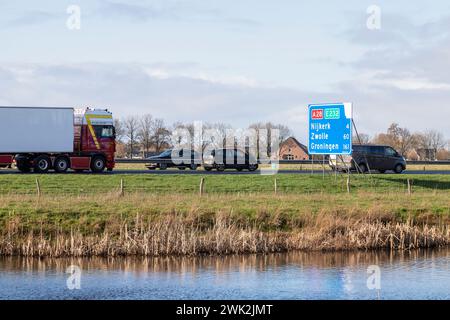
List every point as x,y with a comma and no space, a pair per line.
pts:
275,186
409,187
202,186
348,184
121,187
38,187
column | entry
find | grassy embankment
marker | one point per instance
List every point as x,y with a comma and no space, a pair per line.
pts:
164,215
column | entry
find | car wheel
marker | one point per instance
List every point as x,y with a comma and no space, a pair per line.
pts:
42,164
193,167
208,168
221,167
252,167
398,169
98,164
362,168
62,164
181,168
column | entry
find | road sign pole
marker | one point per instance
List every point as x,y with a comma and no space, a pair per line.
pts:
323,167
360,142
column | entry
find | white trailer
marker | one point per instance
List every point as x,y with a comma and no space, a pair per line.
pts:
36,130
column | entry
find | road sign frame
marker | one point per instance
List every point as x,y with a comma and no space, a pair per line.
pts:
345,117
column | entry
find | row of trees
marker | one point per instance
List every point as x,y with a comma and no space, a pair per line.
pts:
144,135
428,145
141,134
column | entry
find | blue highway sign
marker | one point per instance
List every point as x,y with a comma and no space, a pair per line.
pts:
330,129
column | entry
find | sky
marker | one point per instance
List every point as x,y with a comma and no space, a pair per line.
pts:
235,62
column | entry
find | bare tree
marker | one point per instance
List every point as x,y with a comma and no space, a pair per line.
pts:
160,135
145,132
430,143
131,132
283,131
362,138
119,129
434,140
397,137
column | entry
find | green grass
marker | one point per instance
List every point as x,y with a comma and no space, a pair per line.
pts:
54,184
237,213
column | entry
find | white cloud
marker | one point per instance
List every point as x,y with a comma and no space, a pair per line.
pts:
136,89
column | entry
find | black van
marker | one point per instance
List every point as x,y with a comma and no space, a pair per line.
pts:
372,157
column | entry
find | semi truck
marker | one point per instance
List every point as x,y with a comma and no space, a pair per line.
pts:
41,139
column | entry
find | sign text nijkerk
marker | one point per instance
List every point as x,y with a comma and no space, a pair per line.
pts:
330,129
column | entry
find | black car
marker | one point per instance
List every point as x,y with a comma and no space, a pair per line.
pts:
371,157
183,159
221,159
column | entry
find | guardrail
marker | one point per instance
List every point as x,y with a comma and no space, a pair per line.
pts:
306,162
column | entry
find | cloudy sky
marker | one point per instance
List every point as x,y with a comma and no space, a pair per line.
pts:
232,61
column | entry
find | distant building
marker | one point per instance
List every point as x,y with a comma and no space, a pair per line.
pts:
291,149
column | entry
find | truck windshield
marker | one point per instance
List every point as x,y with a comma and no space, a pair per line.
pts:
104,131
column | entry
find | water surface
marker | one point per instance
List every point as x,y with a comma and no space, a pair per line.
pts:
408,275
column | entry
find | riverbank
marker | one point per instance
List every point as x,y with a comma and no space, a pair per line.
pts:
220,224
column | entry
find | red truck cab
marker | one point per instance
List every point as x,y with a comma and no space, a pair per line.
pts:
94,135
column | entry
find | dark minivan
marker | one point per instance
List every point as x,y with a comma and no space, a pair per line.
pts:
221,159
372,157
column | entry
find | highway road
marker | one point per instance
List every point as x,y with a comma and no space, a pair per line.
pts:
231,172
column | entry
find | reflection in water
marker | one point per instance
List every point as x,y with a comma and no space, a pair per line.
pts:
417,274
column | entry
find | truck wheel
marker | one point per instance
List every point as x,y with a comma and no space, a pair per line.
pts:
42,164
22,167
98,164
62,164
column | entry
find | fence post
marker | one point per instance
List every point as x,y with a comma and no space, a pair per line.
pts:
275,185
38,187
121,187
409,187
202,186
